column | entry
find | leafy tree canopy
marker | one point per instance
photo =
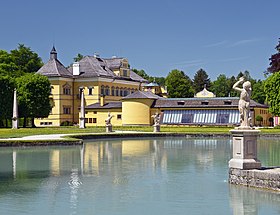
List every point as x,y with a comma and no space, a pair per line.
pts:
6,95
26,60
221,87
19,61
274,61
179,85
33,96
272,91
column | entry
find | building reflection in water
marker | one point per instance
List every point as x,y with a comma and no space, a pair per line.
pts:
93,158
120,160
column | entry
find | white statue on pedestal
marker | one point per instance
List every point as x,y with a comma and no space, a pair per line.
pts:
108,120
244,102
156,117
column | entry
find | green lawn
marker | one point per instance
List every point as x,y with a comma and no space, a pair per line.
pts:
9,133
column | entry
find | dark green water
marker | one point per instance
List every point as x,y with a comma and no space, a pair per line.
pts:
131,176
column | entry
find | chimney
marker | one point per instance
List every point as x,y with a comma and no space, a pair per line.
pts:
96,55
102,100
76,68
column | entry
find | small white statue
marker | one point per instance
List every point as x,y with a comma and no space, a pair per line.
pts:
156,117
108,120
244,102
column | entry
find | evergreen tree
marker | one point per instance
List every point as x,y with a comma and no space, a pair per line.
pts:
200,79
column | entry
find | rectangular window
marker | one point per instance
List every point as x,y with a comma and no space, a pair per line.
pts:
124,72
94,112
222,118
90,91
187,118
119,116
66,110
86,120
93,120
89,120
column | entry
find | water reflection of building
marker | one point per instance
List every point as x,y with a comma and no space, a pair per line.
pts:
95,158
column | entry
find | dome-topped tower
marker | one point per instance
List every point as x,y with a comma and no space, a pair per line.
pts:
205,93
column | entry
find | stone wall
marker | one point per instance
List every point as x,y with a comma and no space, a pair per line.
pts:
265,178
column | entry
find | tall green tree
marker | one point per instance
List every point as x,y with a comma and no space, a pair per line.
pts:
26,60
33,96
6,101
231,81
7,65
19,61
221,86
179,85
274,61
258,93
272,91
200,79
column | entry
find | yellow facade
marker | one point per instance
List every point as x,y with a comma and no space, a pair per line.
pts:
62,102
137,112
263,112
98,117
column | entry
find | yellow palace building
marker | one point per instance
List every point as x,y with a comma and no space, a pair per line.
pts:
98,77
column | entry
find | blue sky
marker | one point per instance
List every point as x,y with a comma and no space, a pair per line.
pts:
219,36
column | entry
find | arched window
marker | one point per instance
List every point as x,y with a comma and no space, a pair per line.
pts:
112,91
107,91
128,91
66,89
102,92
125,92
117,91
121,91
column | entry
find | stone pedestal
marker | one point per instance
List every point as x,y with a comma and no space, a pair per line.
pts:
109,128
82,123
156,128
245,149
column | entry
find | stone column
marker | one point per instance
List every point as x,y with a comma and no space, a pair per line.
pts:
82,116
15,111
245,149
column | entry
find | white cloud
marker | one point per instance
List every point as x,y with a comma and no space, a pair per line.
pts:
224,42
189,63
244,42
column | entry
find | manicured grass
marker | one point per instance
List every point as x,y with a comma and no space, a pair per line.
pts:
22,132
11,133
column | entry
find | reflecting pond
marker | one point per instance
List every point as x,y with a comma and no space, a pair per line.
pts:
131,176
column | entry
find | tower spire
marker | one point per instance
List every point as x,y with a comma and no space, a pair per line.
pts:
53,54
